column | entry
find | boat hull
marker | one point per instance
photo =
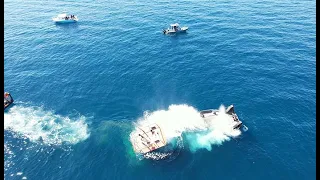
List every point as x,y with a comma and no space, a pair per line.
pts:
63,21
169,31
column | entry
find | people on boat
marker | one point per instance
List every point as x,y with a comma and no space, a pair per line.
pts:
65,18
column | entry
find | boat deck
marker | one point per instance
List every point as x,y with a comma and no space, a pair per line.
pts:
148,138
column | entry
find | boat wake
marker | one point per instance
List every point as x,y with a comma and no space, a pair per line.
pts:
45,127
184,122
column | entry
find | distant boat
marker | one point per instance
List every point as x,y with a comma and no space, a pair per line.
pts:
175,28
65,18
8,100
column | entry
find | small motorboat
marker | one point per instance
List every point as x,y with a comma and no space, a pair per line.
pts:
175,28
65,18
8,100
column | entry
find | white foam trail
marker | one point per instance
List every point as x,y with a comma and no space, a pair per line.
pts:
180,119
37,124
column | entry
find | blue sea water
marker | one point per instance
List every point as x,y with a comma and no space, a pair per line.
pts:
80,88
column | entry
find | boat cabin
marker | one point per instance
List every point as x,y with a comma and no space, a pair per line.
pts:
175,27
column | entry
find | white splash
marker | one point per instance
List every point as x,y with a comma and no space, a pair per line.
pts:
174,121
186,119
37,124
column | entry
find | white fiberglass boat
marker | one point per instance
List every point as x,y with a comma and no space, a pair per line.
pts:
174,28
65,18
211,113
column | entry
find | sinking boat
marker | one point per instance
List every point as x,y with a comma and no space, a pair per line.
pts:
211,113
8,100
65,18
175,28
147,139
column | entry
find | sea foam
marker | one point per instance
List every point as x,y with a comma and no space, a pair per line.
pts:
185,120
37,125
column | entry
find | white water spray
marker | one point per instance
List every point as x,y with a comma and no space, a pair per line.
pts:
185,119
37,124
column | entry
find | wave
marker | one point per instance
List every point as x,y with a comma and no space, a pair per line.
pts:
39,125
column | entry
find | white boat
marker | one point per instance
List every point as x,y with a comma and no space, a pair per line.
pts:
65,18
175,28
211,113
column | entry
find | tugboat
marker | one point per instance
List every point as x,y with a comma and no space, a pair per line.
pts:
208,114
147,139
174,28
65,18
8,100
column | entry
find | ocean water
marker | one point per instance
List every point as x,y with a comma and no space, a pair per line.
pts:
81,89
